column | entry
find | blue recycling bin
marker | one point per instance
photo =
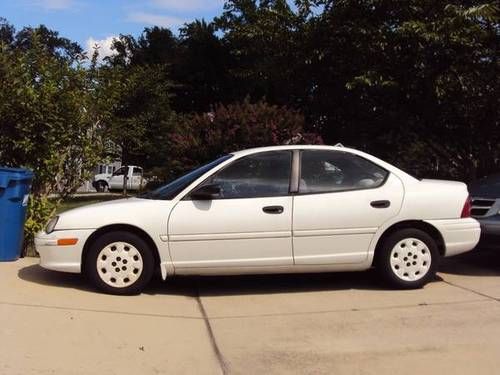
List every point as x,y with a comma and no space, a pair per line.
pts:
15,184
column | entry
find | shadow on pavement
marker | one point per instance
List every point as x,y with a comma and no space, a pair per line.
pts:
221,285
284,283
39,275
475,263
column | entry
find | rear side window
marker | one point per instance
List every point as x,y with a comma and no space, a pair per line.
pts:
325,171
261,175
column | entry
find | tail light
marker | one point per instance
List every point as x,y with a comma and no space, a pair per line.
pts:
467,208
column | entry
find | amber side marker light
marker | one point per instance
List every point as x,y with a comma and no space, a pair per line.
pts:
67,241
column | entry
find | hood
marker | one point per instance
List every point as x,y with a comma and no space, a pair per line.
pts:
101,176
134,211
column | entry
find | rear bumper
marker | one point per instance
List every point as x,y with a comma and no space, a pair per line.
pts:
61,258
459,235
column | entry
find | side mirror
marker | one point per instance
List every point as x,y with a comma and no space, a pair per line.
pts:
206,192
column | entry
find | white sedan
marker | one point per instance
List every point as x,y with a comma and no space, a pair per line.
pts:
268,210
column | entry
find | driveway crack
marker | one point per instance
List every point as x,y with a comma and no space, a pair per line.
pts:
213,342
472,291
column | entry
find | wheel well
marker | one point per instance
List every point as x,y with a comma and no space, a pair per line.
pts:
414,224
102,181
121,227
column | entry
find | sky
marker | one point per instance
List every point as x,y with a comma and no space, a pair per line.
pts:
92,21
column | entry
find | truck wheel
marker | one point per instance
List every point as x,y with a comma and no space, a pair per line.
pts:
101,186
408,259
119,263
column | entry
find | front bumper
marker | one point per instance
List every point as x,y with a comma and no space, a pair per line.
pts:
65,258
490,233
459,235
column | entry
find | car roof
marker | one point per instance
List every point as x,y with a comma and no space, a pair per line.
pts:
290,147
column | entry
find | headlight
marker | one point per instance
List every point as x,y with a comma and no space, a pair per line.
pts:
51,224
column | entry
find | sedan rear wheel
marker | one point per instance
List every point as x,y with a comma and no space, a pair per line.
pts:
408,259
411,259
119,263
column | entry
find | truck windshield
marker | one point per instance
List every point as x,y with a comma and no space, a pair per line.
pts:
171,189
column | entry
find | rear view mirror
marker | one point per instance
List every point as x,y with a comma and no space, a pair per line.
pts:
206,192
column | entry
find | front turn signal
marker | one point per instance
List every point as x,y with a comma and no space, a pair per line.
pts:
67,241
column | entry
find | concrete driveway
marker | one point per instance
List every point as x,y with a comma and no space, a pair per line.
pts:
52,323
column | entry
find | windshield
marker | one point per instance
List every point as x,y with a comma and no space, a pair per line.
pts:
170,190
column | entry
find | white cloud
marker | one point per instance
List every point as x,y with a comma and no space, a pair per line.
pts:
104,47
55,4
156,19
188,5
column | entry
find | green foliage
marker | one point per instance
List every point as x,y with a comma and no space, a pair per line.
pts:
46,116
264,40
40,210
141,118
202,137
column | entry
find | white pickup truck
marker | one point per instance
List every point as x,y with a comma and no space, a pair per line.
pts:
106,181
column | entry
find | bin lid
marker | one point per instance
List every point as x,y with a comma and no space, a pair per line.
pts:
14,174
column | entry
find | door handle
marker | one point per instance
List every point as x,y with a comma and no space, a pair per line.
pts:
380,204
273,209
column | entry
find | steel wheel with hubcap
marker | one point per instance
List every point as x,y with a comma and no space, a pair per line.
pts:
407,258
119,263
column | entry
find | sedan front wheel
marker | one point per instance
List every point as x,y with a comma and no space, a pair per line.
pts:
119,263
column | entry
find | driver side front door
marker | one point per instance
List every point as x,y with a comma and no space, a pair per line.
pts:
248,225
116,180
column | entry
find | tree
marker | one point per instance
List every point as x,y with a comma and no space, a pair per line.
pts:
201,70
55,45
422,77
141,118
7,32
263,39
50,117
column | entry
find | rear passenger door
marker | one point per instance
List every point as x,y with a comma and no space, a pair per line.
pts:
136,180
342,200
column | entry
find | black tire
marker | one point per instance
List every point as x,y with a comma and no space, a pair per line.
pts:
146,255
101,186
383,259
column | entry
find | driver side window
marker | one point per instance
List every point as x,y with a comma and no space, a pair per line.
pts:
261,175
120,172
330,171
